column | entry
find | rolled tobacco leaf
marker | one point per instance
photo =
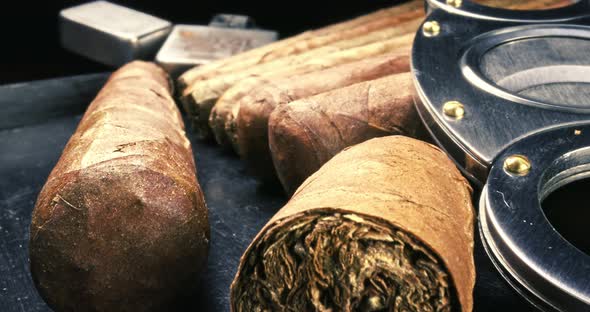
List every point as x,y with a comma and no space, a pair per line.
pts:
305,134
386,225
251,123
121,224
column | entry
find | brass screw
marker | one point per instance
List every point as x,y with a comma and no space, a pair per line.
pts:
454,109
517,165
455,3
431,28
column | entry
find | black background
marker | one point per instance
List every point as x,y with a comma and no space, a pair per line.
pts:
30,48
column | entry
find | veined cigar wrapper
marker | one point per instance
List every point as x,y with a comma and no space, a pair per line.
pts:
292,45
305,134
121,223
386,225
250,134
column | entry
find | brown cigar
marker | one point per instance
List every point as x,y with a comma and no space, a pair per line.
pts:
251,132
386,225
297,44
305,134
121,224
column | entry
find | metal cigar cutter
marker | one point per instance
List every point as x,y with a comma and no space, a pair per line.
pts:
114,35
507,95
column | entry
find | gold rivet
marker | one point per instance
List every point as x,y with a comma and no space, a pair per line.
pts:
577,132
431,29
455,3
454,109
517,165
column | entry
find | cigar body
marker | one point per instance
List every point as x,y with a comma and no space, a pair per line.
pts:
121,223
384,225
296,44
305,134
251,123
205,93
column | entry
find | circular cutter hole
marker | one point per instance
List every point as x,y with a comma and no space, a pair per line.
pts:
568,210
553,70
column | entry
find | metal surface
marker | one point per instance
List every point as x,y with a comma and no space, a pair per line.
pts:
523,79
111,34
548,270
238,205
495,118
191,45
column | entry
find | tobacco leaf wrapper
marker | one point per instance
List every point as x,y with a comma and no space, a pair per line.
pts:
305,134
294,45
249,133
386,225
121,223
206,93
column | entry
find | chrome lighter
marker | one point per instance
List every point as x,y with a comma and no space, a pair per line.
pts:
226,35
507,95
111,34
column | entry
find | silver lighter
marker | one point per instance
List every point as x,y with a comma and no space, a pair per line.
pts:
226,35
111,34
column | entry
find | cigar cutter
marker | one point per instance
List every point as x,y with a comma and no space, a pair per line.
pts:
226,35
507,95
111,34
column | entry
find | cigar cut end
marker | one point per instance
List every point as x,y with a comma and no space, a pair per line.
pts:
330,260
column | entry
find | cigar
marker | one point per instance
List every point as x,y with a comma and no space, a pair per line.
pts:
250,136
386,225
305,134
121,224
207,92
288,46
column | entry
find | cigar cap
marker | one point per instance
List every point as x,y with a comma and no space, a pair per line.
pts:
111,34
542,252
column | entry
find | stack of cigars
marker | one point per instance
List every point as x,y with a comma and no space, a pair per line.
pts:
288,107
379,220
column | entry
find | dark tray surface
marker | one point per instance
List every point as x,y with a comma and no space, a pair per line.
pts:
238,205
